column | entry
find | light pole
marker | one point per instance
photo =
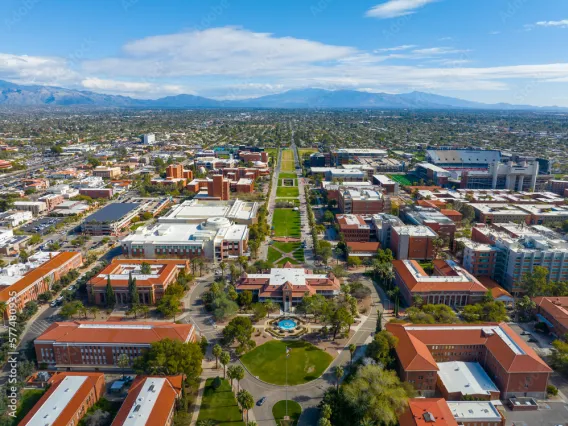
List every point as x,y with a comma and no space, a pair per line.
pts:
287,355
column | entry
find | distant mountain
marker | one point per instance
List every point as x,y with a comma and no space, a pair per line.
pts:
17,95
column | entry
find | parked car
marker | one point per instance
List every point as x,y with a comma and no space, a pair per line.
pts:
261,401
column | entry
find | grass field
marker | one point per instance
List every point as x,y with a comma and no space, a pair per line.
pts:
288,164
303,151
283,261
286,223
273,255
287,252
287,191
305,363
294,411
403,179
287,247
294,201
27,400
220,405
287,176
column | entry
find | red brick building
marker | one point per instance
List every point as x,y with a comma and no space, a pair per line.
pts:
412,242
511,364
427,412
69,397
364,201
151,400
97,192
151,287
253,156
39,280
450,284
99,344
353,227
555,311
219,188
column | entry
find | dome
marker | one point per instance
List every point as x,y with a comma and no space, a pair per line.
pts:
259,164
217,222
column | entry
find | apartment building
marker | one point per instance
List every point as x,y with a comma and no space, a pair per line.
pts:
69,345
362,201
511,365
450,284
38,280
412,242
353,227
151,287
151,400
67,399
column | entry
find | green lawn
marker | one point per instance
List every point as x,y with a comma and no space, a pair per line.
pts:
403,179
273,255
306,362
294,411
292,260
287,176
294,201
27,400
220,405
287,182
286,223
288,191
287,247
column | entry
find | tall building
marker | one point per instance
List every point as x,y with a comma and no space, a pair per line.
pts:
219,188
362,201
148,138
511,176
412,242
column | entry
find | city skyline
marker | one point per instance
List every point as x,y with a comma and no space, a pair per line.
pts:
478,51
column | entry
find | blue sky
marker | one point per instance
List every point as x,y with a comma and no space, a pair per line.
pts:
484,50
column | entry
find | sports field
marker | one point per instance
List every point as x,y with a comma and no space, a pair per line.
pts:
403,179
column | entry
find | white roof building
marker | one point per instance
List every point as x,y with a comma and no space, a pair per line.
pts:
198,210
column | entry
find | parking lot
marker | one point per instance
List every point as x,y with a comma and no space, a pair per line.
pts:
41,226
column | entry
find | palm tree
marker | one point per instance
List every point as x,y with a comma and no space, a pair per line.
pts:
239,372
94,310
225,358
245,400
144,310
231,373
352,349
217,351
123,362
270,306
242,263
338,375
223,267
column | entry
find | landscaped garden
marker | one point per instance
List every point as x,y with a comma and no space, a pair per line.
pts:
279,411
305,363
286,223
220,405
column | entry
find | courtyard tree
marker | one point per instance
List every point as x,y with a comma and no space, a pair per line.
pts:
239,329
225,358
170,357
217,351
246,401
110,297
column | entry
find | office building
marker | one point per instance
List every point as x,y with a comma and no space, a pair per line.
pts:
412,242
353,227
288,285
35,207
430,217
70,345
381,227
148,138
68,398
390,186
450,284
107,172
432,173
511,364
199,210
150,287
216,239
362,201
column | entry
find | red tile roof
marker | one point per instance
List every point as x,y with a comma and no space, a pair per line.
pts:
127,332
556,307
117,265
419,407
515,356
163,405
364,246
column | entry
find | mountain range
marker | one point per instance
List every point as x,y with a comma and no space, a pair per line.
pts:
16,95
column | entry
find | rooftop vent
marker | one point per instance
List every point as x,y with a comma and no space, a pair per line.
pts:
429,417
137,408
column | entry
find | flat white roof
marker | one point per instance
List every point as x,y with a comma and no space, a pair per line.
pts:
384,179
52,408
145,402
484,411
468,378
415,231
279,276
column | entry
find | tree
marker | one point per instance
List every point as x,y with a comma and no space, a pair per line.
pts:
245,299
145,268
326,411
535,282
239,329
94,310
485,312
246,401
437,246
217,351
56,149
110,296
239,374
354,261
338,375
324,422
231,373
381,348
270,306
168,306
98,417
170,357
132,289
376,393
324,250
259,310
123,362
352,349
524,309
328,216
45,297
559,355
225,358
468,212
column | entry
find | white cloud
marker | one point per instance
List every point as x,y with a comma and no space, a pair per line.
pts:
396,8
396,48
131,88
560,24
436,51
35,69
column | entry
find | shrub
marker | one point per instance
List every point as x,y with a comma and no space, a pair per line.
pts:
551,390
216,383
